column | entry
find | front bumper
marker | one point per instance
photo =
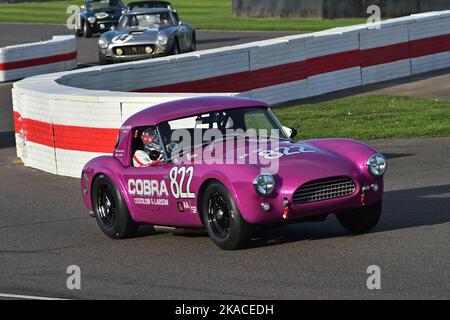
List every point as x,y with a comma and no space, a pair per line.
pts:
133,52
103,25
283,210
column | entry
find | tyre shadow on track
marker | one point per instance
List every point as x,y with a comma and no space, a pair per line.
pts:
402,209
7,140
397,155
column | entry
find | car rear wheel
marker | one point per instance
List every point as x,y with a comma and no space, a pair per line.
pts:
360,220
222,218
110,210
87,30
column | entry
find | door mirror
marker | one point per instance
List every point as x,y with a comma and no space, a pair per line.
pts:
290,132
293,133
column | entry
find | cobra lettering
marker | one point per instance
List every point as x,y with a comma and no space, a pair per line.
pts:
147,188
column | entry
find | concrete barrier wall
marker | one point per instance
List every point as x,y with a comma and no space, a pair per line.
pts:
25,60
64,119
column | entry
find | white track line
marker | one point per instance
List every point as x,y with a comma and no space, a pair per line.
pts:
18,296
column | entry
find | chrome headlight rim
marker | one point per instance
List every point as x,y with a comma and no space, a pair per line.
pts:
91,19
376,165
264,184
102,43
163,39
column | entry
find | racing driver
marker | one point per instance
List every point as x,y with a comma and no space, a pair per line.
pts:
152,153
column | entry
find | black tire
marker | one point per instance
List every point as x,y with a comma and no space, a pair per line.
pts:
110,210
360,220
222,218
78,33
194,42
175,47
102,59
87,30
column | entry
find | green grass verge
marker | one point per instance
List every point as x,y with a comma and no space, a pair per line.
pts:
203,14
369,117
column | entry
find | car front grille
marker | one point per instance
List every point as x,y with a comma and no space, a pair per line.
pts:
324,189
134,50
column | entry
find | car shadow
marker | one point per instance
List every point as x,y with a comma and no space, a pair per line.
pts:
7,140
397,155
220,40
402,209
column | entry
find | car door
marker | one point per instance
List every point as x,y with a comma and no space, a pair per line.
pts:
147,188
162,194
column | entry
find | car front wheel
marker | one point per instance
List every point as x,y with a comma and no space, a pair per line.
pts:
175,47
360,220
78,32
87,30
102,59
111,212
222,218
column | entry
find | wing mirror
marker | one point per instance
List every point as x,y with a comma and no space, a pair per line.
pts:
290,132
293,133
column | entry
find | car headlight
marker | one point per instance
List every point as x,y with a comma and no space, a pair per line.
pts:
264,184
91,19
102,43
162,39
119,51
377,165
148,50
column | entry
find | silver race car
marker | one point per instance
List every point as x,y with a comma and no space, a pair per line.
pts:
144,33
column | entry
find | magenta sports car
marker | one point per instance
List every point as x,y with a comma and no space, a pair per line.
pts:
228,165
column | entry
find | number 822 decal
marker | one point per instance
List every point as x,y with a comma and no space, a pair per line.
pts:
180,182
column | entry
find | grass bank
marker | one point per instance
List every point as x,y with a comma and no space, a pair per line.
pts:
203,14
369,117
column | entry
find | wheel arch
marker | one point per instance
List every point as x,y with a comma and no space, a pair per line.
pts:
222,179
201,192
118,184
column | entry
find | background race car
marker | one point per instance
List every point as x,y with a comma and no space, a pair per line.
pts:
147,5
148,30
98,16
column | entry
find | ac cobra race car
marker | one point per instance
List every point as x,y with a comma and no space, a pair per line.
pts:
228,165
147,29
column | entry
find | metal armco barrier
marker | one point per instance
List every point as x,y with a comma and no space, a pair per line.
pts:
63,120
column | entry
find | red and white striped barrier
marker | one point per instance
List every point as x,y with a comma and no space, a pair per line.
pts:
429,40
62,120
25,60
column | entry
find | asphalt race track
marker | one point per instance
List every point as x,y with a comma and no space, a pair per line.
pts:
44,228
